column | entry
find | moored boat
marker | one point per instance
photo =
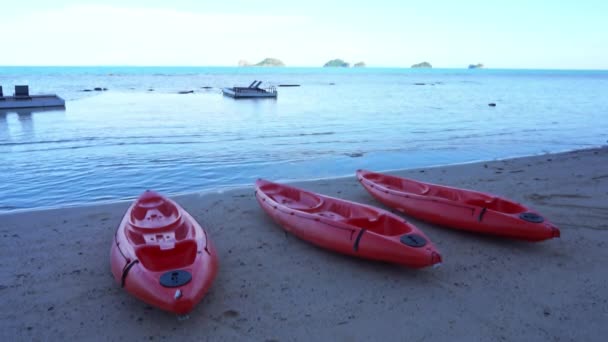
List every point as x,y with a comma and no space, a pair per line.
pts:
458,208
346,227
162,256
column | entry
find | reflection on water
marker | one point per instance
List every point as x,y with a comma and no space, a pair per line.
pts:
27,124
24,126
3,127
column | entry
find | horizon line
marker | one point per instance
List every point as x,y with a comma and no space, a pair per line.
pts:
284,66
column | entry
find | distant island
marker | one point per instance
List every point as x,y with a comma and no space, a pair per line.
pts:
422,65
275,62
267,62
359,65
336,63
476,66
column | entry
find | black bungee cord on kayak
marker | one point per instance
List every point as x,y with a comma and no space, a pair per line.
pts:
125,271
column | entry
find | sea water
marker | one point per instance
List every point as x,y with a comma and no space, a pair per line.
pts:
141,134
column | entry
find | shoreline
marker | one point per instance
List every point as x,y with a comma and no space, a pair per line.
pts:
272,286
225,188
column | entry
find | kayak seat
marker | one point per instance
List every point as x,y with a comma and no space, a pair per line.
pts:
410,187
179,230
362,222
444,193
331,215
497,204
304,202
381,224
154,214
481,201
156,259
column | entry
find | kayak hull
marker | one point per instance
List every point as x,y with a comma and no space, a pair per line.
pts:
162,256
346,227
458,208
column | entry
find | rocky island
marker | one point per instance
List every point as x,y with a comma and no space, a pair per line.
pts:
359,65
267,62
476,66
422,65
273,62
336,63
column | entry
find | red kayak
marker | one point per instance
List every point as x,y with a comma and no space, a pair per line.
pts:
162,256
346,227
458,208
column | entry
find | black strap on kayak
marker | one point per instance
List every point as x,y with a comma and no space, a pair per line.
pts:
125,271
483,211
119,250
356,245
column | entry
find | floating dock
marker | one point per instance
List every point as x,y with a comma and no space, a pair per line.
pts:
253,91
22,99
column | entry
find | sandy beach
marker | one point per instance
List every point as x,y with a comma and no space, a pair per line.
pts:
56,282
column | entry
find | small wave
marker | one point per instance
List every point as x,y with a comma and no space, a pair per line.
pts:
60,141
442,130
292,135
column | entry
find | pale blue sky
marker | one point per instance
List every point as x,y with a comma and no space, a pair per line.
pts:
501,34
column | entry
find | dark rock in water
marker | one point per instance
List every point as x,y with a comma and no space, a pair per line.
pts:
186,92
419,83
104,89
206,87
97,89
289,85
86,90
492,104
355,154
332,83
150,89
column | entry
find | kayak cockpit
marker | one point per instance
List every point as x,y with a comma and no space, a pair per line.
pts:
495,203
444,192
395,183
292,198
155,258
151,211
381,224
157,222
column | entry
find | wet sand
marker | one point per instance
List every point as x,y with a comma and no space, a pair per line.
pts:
56,283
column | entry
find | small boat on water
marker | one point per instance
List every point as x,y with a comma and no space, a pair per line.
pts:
162,256
22,99
346,227
252,91
458,208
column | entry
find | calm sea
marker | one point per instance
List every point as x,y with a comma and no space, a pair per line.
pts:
140,134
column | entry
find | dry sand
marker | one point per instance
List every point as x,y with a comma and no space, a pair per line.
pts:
56,284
